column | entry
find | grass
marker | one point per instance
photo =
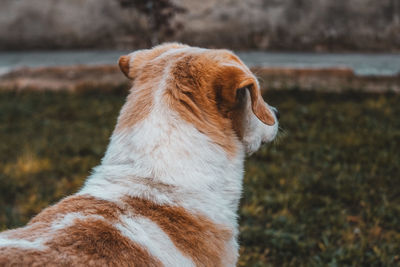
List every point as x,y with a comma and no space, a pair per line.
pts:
327,193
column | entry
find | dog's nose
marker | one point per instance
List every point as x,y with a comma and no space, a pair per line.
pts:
277,114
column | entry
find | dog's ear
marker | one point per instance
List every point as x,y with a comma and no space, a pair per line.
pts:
123,63
238,78
257,103
130,64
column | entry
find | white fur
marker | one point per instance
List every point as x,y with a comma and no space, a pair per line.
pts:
167,160
164,149
149,235
168,150
7,240
70,218
23,244
256,132
39,243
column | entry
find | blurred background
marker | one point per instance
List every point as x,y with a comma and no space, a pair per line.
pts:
326,193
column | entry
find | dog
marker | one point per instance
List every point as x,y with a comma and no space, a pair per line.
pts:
168,188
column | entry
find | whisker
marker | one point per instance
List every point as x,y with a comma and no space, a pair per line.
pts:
282,134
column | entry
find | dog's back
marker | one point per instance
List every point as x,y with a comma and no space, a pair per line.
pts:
82,231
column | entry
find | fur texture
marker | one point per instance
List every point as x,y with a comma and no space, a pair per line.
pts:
168,188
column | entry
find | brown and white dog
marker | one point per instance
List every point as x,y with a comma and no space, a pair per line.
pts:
167,190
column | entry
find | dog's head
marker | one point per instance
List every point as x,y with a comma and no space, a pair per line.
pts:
210,88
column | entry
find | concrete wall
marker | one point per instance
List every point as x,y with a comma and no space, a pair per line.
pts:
323,25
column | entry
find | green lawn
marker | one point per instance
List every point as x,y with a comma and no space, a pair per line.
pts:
327,192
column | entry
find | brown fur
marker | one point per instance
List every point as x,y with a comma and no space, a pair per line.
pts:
236,115
200,88
29,233
138,105
204,91
132,67
196,101
97,242
230,78
195,236
123,63
87,205
10,256
146,75
85,243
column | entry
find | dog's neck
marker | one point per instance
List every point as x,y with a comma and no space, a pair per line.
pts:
167,160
